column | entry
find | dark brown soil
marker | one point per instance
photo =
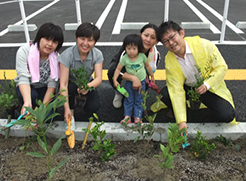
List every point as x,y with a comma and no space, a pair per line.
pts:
133,161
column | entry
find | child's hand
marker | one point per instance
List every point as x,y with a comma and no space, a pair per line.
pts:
116,83
153,79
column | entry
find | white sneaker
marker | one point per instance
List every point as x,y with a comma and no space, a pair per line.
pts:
117,102
72,124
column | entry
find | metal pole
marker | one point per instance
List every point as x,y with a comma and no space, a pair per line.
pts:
223,27
79,21
166,10
23,15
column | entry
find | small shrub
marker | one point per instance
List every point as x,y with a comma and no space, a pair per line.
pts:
175,138
200,147
81,78
224,141
166,158
104,147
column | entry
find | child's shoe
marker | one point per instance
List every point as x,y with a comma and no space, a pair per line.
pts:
126,120
72,124
137,120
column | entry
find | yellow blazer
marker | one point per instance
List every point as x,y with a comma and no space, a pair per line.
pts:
202,51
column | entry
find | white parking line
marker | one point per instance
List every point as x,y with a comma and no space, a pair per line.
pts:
7,2
202,17
217,15
31,16
120,17
103,16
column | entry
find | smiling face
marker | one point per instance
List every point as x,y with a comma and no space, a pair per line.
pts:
46,46
85,44
174,41
149,38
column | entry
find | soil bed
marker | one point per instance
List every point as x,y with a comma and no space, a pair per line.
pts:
133,161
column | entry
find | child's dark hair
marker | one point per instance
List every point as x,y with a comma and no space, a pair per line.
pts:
133,39
88,30
166,26
50,32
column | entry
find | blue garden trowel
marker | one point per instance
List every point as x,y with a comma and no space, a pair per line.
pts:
12,123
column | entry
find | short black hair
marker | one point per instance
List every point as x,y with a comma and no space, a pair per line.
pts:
52,32
88,30
168,25
133,39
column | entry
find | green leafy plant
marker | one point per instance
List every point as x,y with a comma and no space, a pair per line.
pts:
81,78
104,147
48,155
166,158
200,76
200,147
8,99
40,115
224,141
145,130
175,141
175,138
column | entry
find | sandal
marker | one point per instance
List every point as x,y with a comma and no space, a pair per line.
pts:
126,120
137,120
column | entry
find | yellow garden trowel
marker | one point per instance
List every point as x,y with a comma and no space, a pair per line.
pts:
70,135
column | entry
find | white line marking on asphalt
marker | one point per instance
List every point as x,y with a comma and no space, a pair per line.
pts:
68,44
120,17
103,16
202,17
217,15
31,16
8,2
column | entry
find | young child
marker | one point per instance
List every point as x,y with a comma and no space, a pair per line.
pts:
135,63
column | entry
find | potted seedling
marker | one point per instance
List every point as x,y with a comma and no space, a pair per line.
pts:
81,79
201,76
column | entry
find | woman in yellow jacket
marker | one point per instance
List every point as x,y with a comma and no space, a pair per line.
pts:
183,54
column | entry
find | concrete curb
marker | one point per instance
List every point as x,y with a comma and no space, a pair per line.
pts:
118,132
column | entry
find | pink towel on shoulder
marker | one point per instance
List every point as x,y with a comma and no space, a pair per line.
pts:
33,64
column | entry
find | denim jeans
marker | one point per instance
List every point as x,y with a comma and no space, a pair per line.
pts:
132,104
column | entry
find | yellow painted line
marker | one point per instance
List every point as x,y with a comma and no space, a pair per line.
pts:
232,74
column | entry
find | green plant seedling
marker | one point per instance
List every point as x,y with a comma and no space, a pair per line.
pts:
200,147
224,141
81,78
104,147
123,91
201,76
8,98
166,158
48,155
175,138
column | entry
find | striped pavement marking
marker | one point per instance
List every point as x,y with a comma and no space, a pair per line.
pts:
231,74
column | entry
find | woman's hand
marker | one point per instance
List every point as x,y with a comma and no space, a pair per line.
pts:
23,109
67,114
136,84
82,91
